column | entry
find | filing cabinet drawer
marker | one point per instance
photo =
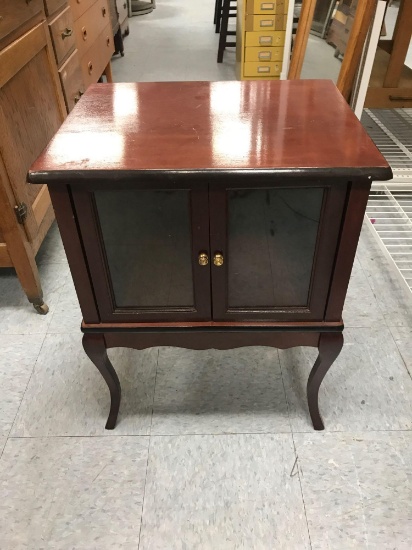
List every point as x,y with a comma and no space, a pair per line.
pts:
80,6
263,54
264,23
94,61
90,25
72,80
62,33
262,7
265,38
253,68
51,6
16,17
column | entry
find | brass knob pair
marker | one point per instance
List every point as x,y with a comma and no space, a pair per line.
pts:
217,259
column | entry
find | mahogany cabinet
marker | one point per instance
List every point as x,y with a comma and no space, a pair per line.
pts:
207,215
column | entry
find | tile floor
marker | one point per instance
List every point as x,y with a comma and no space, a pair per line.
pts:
204,453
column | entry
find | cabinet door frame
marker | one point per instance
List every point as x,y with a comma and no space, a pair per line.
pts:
86,213
332,212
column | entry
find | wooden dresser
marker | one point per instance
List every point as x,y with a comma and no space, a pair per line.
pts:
260,38
50,51
32,108
93,38
195,226
61,26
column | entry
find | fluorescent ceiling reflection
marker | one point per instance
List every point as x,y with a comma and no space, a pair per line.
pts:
125,100
88,148
231,140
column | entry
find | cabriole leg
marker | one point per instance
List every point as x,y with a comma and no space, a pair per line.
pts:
330,345
95,347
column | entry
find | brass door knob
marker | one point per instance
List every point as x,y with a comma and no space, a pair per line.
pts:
218,259
203,258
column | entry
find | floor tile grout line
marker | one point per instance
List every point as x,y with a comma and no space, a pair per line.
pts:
154,392
24,393
211,434
295,450
380,254
284,391
400,353
144,491
301,489
384,319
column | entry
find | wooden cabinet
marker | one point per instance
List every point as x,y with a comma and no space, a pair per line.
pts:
200,224
17,17
31,110
150,242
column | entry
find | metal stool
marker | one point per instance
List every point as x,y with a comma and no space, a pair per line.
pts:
229,10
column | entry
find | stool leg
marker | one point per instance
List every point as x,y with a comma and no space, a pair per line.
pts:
218,16
223,30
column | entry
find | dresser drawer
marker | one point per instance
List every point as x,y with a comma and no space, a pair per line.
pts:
267,38
72,80
264,22
80,6
122,9
94,61
90,25
261,7
16,17
263,54
256,68
51,6
62,33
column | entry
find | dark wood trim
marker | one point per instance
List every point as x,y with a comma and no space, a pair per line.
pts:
349,237
209,329
73,246
94,251
328,234
195,177
206,340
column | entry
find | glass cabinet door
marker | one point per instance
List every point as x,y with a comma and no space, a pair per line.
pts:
277,251
141,248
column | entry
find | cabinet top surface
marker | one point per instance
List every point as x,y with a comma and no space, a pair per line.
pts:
298,125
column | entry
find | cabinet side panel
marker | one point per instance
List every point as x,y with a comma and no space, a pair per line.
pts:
348,242
66,220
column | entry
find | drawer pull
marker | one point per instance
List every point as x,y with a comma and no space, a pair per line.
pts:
108,41
104,12
265,40
265,56
90,67
124,6
203,258
84,33
78,96
267,6
263,69
267,23
66,33
218,259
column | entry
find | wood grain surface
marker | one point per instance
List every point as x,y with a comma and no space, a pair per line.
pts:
199,126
